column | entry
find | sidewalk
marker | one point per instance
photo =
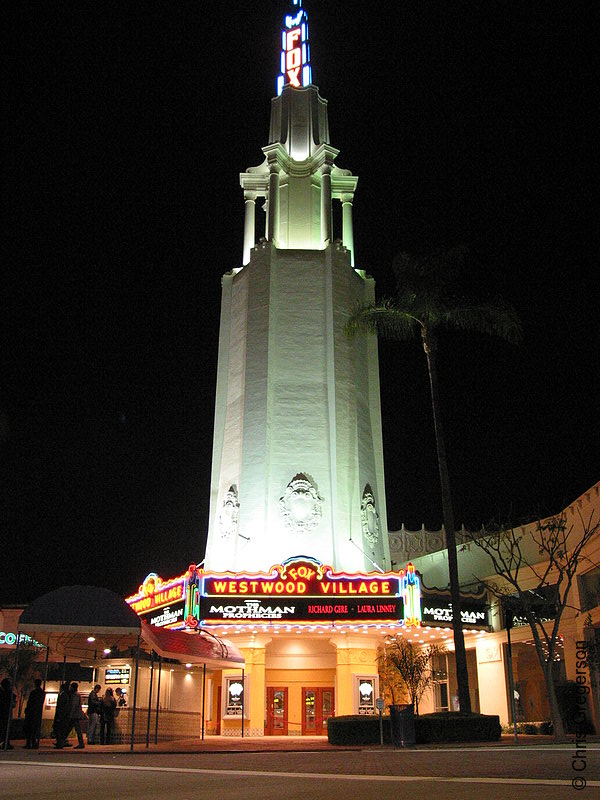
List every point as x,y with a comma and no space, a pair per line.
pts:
266,744
210,744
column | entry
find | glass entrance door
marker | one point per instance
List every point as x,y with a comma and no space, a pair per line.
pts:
277,711
440,682
317,707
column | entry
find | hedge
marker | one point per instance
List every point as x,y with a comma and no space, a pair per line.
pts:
452,726
440,727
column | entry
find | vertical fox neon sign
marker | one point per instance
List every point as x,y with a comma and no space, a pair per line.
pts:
295,51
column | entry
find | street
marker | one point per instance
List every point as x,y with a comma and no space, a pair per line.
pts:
489,773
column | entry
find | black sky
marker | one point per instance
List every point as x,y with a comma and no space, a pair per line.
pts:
466,121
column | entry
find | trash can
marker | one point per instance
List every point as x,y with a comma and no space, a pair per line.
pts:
402,719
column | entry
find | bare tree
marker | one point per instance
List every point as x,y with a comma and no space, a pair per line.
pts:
406,670
536,567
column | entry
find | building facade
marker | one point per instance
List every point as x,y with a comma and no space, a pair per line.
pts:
297,479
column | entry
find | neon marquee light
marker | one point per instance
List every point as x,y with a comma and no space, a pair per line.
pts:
155,593
302,577
411,594
300,589
191,612
295,69
10,638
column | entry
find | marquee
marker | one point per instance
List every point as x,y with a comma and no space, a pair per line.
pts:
301,590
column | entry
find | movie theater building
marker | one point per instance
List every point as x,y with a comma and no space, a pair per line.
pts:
298,571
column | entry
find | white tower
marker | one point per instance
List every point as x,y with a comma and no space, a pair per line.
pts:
297,455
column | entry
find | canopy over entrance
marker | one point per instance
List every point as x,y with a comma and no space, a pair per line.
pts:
79,622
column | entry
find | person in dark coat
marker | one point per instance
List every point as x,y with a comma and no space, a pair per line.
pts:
61,717
76,714
107,716
33,715
93,712
7,701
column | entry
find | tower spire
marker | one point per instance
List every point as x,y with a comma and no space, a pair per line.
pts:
295,69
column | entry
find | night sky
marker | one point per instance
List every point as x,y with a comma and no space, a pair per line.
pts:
466,122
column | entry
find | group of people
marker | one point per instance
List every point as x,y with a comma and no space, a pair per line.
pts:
101,712
68,715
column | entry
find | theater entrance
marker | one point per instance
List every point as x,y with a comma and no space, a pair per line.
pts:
317,707
277,711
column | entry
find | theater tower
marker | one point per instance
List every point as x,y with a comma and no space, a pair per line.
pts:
297,456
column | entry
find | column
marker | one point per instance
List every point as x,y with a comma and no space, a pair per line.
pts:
491,676
249,224
355,655
347,231
273,208
255,672
326,234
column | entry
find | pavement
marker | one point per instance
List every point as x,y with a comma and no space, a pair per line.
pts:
268,744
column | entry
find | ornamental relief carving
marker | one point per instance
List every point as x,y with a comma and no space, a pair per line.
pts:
369,517
301,507
229,513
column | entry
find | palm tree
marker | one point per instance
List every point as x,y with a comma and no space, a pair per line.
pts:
426,302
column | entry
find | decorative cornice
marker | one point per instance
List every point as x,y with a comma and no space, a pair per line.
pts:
406,545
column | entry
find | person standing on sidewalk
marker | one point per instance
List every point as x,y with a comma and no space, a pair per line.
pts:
7,702
76,714
93,713
61,717
107,717
33,715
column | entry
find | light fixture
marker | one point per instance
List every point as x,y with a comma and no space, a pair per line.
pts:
91,638
188,665
106,650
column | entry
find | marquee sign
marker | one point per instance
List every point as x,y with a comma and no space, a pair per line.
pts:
160,603
437,608
301,589
295,67
117,676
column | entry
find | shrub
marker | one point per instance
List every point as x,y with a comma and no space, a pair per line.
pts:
531,728
440,727
357,729
452,726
